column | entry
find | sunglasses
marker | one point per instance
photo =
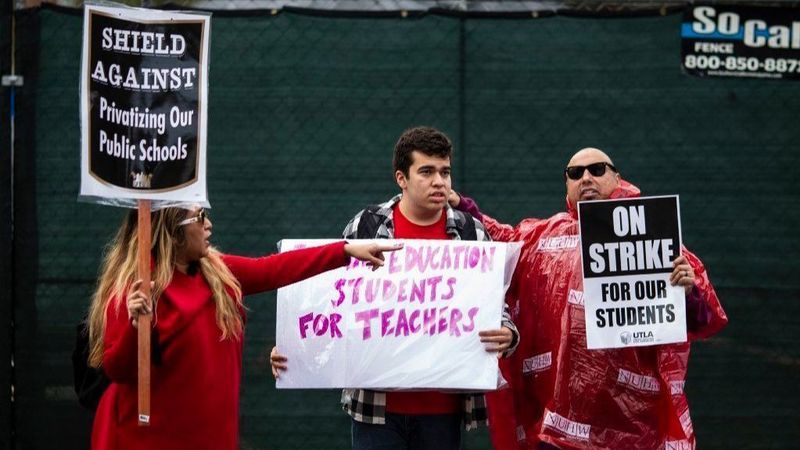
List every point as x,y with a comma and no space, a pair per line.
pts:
201,217
596,170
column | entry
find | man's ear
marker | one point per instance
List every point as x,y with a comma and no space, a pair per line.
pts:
400,178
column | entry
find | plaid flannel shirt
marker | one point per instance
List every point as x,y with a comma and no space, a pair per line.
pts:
369,406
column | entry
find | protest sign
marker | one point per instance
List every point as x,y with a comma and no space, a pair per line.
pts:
143,105
413,323
627,249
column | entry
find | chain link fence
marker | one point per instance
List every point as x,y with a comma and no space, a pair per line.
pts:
303,114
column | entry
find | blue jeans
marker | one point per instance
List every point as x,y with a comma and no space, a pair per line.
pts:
409,432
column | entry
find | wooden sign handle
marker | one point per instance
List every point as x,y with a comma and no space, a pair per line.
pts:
144,322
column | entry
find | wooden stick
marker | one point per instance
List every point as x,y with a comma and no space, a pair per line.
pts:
144,323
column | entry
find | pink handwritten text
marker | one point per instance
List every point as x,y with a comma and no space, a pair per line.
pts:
430,321
427,258
320,324
408,289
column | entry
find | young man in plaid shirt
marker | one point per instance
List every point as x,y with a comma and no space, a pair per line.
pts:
423,419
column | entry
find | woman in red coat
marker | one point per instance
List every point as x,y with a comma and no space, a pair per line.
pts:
198,323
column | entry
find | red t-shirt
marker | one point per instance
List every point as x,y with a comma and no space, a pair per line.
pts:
424,402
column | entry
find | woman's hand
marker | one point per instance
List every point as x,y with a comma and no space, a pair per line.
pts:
138,303
278,362
371,253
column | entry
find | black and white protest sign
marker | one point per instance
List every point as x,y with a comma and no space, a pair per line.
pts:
143,105
741,41
627,249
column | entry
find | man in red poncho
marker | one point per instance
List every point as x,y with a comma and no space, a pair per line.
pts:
567,397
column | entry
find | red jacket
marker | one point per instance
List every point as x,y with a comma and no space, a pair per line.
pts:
568,396
194,398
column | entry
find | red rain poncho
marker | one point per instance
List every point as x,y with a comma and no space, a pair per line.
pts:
565,395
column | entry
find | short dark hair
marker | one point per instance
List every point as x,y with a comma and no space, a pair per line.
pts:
427,140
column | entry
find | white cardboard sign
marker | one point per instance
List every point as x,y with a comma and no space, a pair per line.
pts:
413,323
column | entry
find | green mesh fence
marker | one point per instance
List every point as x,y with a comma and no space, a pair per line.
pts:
303,114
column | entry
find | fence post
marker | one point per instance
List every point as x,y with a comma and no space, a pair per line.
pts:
22,235
6,240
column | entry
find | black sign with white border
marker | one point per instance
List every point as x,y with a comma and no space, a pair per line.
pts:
627,249
144,104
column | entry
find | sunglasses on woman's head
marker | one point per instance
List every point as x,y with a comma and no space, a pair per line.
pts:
200,217
596,170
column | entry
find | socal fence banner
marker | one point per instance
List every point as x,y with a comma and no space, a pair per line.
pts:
741,41
144,99
413,323
627,249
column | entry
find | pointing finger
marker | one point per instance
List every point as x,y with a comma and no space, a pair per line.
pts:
390,247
